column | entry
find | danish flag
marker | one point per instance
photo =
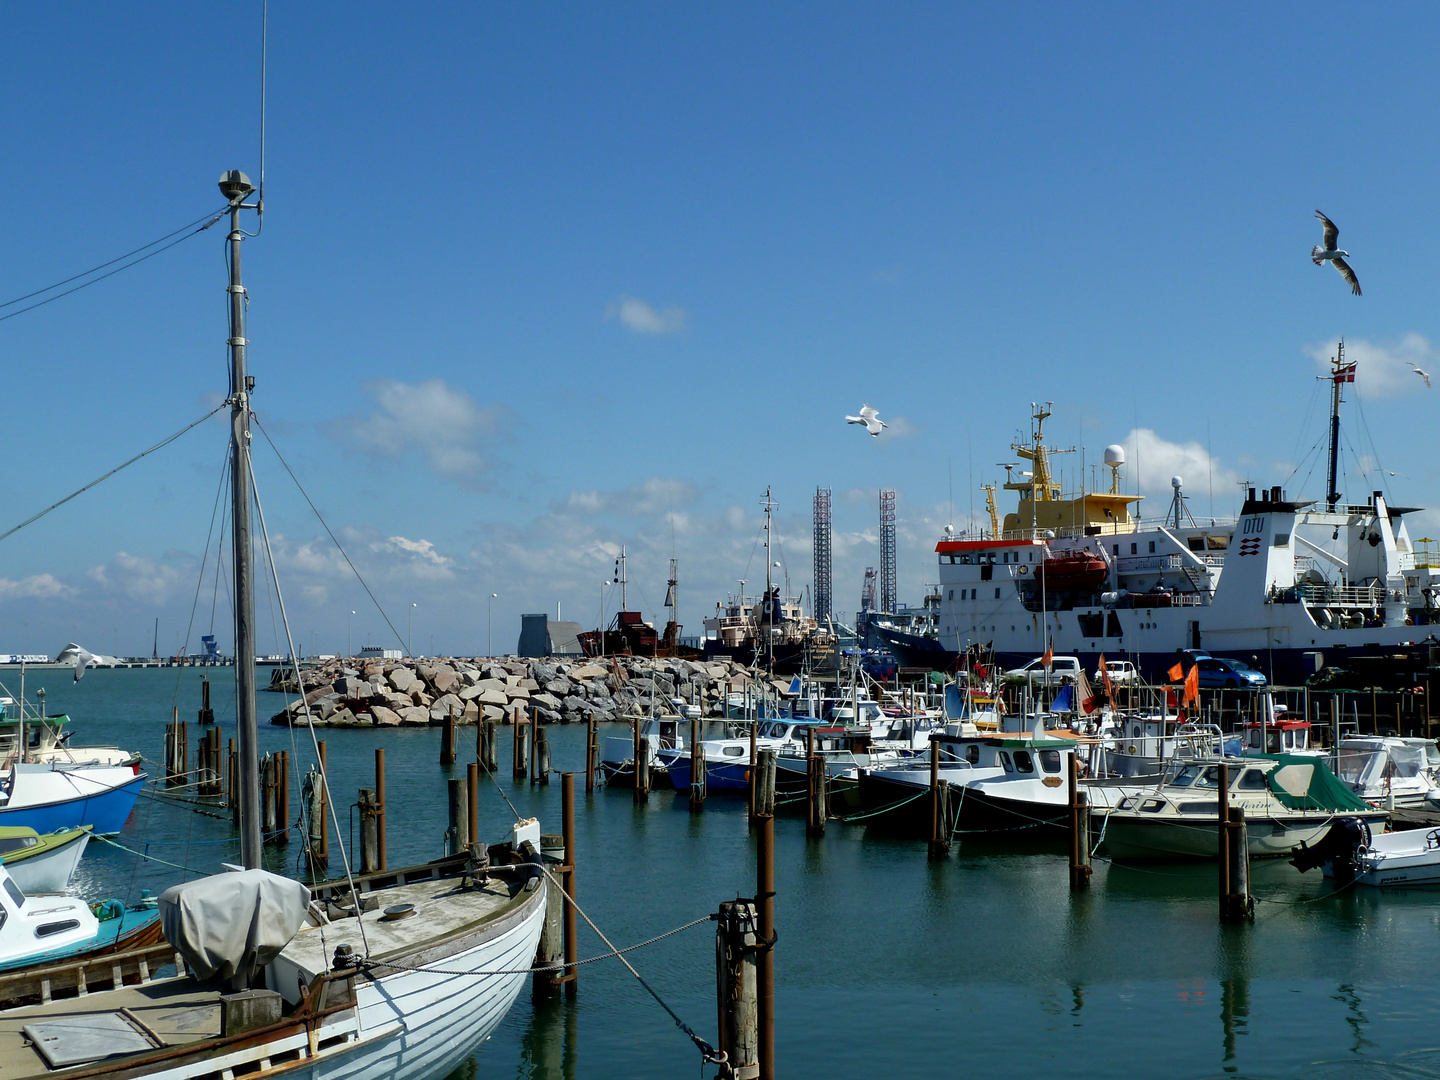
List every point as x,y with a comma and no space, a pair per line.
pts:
1344,373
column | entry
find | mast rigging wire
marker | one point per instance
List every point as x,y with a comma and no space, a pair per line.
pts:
208,219
143,453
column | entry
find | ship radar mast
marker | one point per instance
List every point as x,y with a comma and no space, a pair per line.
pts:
1340,374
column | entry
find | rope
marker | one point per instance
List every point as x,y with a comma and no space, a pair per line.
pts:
884,809
152,858
538,968
162,443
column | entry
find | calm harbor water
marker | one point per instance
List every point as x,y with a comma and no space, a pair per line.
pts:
886,964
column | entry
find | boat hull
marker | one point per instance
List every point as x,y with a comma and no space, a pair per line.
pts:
49,868
972,809
1129,837
49,800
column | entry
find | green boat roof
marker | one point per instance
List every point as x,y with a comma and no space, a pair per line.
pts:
1304,782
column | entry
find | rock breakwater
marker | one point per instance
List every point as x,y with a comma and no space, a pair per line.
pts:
418,693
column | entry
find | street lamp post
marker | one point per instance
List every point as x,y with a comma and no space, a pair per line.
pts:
349,639
489,638
409,631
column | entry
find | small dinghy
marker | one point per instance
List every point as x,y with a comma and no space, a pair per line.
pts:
1353,854
42,864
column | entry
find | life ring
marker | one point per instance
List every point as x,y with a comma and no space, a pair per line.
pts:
1024,569
1130,749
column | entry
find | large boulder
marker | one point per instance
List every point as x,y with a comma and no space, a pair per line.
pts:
415,717
559,686
589,671
517,693
545,701
445,680
443,706
384,717
342,717
542,673
402,678
492,712
492,697
349,686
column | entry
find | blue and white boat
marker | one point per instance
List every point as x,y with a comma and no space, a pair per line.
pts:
51,797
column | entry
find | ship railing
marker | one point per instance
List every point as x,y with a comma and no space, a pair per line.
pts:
1342,596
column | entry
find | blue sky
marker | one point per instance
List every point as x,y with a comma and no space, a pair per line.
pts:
539,281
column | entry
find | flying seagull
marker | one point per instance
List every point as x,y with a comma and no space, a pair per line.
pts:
1423,374
870,418
1319,254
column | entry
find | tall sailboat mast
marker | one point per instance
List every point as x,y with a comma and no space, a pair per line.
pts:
768,608
235,185
1339,375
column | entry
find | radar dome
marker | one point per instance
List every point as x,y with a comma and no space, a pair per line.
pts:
1115,455
1176,483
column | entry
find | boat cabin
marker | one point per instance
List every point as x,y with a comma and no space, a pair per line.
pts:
1021,757
1277,737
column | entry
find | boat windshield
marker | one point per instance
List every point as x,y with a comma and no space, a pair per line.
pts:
1406,761
1356,766
774,729
1197,776
1432,754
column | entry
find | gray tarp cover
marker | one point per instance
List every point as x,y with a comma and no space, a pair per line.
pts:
235,923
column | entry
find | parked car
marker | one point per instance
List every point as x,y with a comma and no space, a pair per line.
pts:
1220,672
1061,668
1121,672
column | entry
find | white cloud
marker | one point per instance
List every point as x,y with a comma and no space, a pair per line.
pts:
644,319
898,427
1382,371
439,421
656,495
35,587
137,578
423,555
1151,461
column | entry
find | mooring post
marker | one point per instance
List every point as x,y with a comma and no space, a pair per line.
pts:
819,796
542,754
472,792
1223,820
447,739
380,808
765,785
368,855
282,837
267,798
234,788
1239,905
697,768
522,757
939,846
592,746
457,833
567,825
754,772
207,714
765,965
641,759
736,948
1079,830
550,949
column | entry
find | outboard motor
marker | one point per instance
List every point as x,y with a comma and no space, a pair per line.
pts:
1346,839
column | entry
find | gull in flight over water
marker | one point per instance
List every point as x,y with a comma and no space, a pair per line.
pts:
869,418
1423,374
1320,253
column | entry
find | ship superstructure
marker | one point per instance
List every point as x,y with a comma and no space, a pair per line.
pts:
1082,575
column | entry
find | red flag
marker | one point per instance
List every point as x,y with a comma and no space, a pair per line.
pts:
1344,373
1048,659
1105,679
1192,685
1176,673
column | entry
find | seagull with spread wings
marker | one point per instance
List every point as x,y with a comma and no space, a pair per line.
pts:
869,418
1320,254
1422,373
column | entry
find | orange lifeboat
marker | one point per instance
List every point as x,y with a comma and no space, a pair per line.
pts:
1072,570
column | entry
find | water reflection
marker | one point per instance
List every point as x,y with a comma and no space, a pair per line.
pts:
1234,1016
1355,1017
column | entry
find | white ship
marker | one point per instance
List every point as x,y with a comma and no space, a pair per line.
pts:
1287,586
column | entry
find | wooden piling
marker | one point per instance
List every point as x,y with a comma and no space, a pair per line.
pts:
233,789
522,754
939,846
765,784
818,796
765,963
1079,830
447,739
472,792
207,714
542,756
323,848
487,753
458,832
567,824
550,949
736,951
640,757
754,773
380,808
282,836
268,797
1238,904
1223,838
697,769
369,854
592,752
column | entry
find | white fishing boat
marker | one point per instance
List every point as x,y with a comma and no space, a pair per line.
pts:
1390,771
1287,800
1353,853
42,864
398,974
